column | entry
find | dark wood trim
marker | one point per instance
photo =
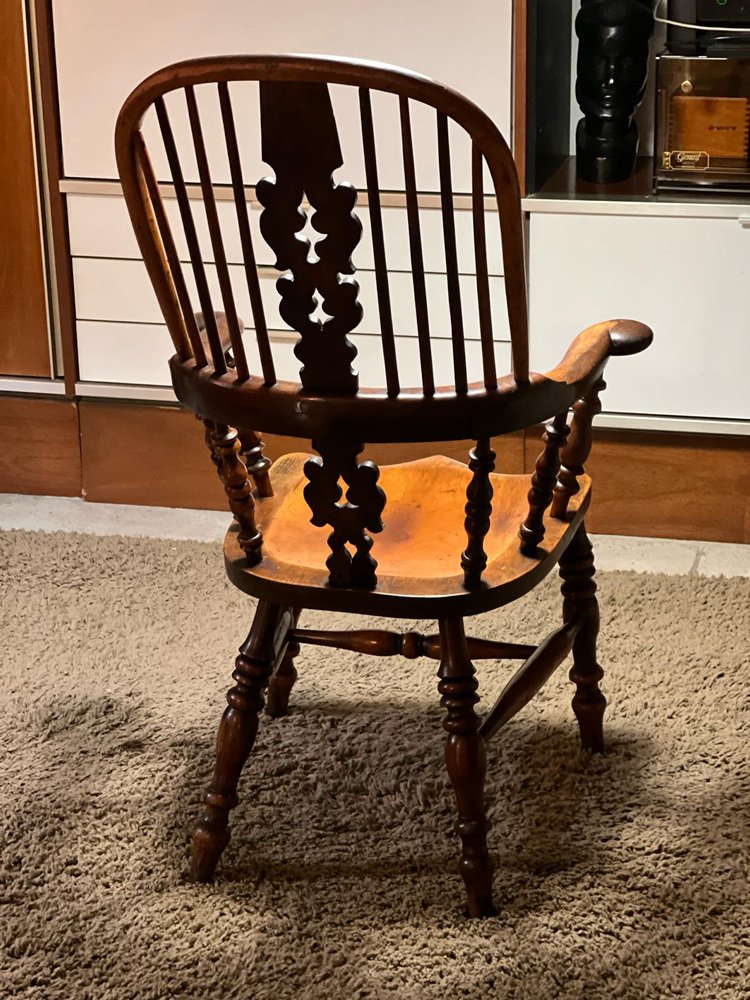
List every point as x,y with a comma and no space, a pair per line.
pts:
666,485
645,483
41,453
146,454
24,345
53,165
520,70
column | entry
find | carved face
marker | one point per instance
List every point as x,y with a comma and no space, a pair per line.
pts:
612,55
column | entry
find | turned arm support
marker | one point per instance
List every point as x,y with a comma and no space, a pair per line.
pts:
566,449
586,357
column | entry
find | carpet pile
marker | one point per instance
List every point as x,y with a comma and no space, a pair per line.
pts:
622,876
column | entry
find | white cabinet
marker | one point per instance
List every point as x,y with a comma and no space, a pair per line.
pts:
120,44
688,278
105,49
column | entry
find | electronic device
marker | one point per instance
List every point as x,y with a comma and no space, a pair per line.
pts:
708,27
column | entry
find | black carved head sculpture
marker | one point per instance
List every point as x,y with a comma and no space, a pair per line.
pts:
612,72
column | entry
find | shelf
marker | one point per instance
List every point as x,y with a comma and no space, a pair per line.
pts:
565,192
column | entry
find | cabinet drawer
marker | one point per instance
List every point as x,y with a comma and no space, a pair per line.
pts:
120,290
100,227
138,354
687,278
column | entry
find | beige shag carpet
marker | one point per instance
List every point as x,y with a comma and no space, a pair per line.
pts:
624,876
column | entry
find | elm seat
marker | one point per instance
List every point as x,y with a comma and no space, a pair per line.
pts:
417,572
424,539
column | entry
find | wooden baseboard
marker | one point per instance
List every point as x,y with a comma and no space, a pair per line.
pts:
155,455
40,449
666,485
652,484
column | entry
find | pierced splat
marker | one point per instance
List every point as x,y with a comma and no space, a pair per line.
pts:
301,143
352,519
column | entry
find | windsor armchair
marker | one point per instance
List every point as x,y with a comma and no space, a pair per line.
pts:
432,538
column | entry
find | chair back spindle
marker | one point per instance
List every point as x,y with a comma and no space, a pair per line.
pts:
197,264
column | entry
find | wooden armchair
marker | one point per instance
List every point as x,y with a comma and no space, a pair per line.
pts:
432,538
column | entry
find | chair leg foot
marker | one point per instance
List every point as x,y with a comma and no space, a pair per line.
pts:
465,761
580,604
281,683
235,740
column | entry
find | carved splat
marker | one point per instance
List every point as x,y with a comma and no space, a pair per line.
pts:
543,483
478,511
301,143
576,451
352,518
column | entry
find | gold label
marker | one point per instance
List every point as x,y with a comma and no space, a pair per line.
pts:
685,159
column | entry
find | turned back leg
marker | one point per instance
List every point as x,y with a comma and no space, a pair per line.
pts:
580,604
466,763
282,680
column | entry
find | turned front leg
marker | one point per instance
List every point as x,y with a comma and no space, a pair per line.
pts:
465,760
580,604
237,731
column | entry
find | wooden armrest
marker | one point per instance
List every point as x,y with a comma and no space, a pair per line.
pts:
223,328
587,355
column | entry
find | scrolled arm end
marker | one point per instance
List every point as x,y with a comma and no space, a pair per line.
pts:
586,357
627,336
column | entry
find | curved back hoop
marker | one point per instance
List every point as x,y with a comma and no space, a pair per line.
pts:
301,144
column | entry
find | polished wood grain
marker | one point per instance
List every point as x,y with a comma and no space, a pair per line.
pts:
520,89
478,511
466,763
661,485
419,567
301,143
379,642
40,451
61,278
25,343
432,538
530,677
581,612
259,654
155,455
543,483
353,510
576,449
225,448
122,442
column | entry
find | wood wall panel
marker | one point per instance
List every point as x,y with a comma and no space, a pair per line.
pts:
39,446
24,345
650,484
155,455
667,485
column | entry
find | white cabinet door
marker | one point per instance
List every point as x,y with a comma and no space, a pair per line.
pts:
105,49
687,278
